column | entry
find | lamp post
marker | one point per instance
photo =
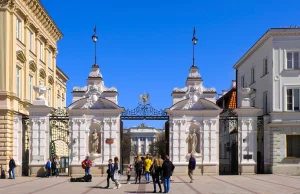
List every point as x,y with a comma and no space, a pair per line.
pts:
95,38
194,40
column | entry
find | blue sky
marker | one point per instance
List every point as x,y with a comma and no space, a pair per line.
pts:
146,45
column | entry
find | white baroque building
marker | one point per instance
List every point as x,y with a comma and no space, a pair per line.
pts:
271,68
142,137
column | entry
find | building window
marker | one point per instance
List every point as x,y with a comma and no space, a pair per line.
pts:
252,75
293,60
293,146
19,29
243,81
41,51
265,66
30,88
293,102
49,60
265,101
18,82
31,41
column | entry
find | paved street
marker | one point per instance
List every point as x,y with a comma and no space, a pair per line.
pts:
253,184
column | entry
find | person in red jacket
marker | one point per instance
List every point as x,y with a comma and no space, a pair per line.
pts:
86,165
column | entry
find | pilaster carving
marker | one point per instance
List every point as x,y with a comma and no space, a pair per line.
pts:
38,121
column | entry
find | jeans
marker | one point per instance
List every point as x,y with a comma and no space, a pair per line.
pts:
156,181
56,172
147,174
166,184
87,171
11,171
138,175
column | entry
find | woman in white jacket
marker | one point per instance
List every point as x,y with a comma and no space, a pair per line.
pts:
117,172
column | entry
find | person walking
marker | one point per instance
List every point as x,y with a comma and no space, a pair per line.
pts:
56,163
86,165
192,166
160,163
147,165
167,169
155,170
138,169
110,173
117,172
12,165
48,168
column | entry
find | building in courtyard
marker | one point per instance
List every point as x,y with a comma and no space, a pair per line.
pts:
28,45
271,69
142,137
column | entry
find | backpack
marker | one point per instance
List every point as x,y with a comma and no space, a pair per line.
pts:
48,164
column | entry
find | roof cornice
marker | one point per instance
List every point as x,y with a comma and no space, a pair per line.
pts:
40,13
270,33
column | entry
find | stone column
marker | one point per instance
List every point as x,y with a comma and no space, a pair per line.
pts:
83,140
75,141
106,153
182,140
213,142
139,145
171,126
206,141
146,145
175,141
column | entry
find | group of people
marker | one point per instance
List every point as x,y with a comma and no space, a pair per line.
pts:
52,167
160,170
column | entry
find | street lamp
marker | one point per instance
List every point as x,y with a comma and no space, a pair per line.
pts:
95,38
194,40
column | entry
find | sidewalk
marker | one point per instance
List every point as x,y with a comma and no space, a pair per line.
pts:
252,184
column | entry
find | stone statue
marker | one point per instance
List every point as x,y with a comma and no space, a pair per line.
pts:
194,140
95,142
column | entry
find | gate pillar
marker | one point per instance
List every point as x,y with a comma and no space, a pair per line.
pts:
39,133
247,134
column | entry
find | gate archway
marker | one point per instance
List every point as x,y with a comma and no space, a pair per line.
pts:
59,139
145,111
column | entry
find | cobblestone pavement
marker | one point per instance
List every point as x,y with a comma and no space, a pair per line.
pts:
253,184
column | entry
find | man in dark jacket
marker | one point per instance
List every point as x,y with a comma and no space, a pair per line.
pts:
167,169
12,166
110,172
192,166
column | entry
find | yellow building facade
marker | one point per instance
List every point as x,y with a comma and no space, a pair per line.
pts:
28,50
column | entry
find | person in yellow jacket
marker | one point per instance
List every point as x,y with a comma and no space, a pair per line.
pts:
147,165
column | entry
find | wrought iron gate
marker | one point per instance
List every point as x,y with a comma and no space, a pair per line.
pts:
144,111
59,139
260,145
228,143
